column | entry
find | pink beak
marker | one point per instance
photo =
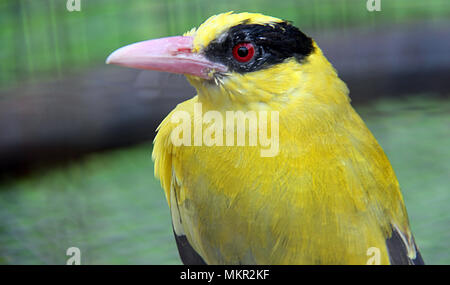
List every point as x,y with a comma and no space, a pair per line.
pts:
172,54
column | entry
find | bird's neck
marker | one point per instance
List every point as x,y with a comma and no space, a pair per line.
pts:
289,84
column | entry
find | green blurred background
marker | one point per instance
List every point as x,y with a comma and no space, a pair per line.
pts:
106,201
41,37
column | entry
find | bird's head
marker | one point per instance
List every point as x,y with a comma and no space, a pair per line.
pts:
243,60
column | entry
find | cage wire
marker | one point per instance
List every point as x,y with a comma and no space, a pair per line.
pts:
42,38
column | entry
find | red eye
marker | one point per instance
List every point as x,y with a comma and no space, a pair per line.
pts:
243,52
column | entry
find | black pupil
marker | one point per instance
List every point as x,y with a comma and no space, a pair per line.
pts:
242,51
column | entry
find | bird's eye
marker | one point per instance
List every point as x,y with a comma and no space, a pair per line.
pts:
243,52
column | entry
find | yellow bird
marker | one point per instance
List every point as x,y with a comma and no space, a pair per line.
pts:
326,194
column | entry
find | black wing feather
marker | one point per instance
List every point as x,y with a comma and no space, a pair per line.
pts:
188,255
398,252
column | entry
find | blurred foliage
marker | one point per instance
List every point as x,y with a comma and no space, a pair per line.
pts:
40,37
110,206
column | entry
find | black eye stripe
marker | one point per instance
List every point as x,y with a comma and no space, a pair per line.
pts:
273,44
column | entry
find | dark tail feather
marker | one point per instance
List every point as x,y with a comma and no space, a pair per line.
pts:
398,251
188,255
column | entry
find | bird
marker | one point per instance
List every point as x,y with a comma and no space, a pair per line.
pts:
327,194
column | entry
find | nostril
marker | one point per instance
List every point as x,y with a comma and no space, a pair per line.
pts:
182,50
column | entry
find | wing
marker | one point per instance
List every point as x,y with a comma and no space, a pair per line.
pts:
401,250
187,253
163,156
